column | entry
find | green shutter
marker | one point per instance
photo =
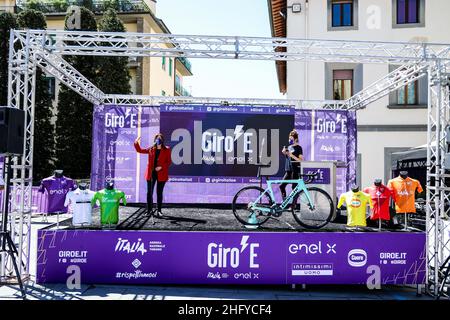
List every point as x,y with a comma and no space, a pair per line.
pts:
170,67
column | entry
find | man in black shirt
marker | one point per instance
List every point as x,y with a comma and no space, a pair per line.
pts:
294,155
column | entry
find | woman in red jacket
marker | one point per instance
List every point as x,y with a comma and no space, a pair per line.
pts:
157,172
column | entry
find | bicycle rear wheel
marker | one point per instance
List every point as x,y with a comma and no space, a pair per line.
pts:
313,215
243,201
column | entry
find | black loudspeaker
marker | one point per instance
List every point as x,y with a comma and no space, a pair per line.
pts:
11,131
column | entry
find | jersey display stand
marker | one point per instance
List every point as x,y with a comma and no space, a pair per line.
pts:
356,202
404,190
56,187
381,197
109,199
80,203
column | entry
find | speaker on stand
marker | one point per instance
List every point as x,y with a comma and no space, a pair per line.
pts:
12,126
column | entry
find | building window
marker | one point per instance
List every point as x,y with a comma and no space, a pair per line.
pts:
412,96
407,95
164,63
342,84
342,15
408,13
170,67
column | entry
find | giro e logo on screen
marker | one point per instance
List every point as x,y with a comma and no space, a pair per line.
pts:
225,141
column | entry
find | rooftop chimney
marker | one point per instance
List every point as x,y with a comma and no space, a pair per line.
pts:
152,5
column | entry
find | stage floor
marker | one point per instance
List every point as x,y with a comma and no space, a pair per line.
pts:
208,219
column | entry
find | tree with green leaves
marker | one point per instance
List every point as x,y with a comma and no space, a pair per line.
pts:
7,22
74,118
113,74
88,4
44,131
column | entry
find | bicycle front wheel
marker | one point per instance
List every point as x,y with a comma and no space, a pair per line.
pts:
242,206
315,214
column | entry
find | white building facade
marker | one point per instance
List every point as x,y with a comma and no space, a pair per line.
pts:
394,123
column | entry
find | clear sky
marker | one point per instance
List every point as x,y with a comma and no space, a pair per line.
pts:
224,78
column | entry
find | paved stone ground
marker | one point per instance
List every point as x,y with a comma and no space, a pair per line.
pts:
105,292
115,292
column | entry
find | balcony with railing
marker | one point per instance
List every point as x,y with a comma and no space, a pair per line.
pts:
187,66
98,6
179,89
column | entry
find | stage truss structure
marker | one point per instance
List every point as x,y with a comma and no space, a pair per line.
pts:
46,49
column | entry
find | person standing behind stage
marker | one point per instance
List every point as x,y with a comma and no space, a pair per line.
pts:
159,160
293,154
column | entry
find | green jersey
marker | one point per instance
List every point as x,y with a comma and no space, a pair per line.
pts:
109,204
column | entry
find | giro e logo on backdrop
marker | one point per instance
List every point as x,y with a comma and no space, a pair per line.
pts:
128,120
332,126
220,256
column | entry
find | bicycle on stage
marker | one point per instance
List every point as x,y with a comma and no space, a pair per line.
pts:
311,207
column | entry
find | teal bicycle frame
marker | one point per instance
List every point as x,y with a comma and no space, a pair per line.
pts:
300,186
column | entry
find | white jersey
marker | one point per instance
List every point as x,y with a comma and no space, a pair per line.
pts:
80,203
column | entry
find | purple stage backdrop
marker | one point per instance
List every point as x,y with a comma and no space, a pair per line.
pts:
150,257
239,136
330,135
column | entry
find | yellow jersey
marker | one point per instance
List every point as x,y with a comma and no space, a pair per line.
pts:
356,203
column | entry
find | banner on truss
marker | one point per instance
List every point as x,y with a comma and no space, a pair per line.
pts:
214,148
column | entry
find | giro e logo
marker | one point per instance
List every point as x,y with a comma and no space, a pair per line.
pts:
236,145
357,258
214,142
73,18
113,121
220,256
332,126
125,245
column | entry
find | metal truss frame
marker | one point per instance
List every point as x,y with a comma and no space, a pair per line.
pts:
45,49
140,100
